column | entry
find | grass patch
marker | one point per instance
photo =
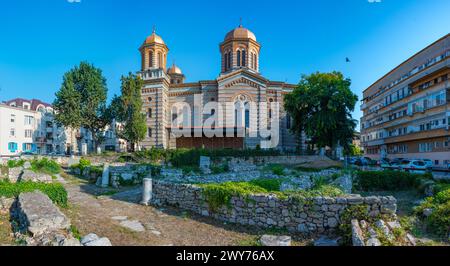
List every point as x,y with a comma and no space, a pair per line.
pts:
74,230
439,221
218,195
56,192
46,166
15,163
388,180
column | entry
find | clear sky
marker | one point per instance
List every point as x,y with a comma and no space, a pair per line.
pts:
40,40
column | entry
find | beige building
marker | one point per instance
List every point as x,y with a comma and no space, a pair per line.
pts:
239,82
407,111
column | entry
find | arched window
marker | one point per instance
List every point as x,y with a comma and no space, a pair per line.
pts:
247,116
230,59
226,61
150,59
238,58
150,113
159,60
243,58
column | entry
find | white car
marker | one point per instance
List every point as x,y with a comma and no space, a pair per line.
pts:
414,166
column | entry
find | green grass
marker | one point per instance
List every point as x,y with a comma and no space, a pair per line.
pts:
45,166
218,195
56,192
388,180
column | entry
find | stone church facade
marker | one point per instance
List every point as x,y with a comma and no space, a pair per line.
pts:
239,82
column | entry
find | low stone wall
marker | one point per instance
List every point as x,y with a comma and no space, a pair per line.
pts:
307,215
251,163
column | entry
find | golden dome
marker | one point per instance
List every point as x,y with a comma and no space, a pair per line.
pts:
240,33
174,70
154,39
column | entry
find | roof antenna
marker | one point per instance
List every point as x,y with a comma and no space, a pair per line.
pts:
240,22
154,29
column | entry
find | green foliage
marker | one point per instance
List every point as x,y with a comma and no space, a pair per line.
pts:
321,106
323,191
15,163
439,221
191,157
218,195
81,101
219,169
96,170
359,212
315,170
191,169
45,166
353,150
56,192
84,163
387,180
271,184
127,109
76,234
276,169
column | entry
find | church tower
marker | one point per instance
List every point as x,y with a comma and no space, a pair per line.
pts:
240,50
155,90
154,53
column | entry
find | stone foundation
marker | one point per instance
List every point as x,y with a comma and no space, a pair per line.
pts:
305,215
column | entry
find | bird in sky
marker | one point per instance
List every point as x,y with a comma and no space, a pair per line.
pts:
347,60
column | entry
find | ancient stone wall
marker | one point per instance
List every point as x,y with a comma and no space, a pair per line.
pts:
297,215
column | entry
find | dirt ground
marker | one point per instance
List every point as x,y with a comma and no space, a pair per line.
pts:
5,230
90,212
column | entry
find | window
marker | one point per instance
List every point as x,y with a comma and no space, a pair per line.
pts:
149,131
28,120
12,147
12,132
27,147
238,58
150,99
425,147
150,59
247,118
243,58
213,111
230,59
160,63
13,118
150,113
28,133
226,61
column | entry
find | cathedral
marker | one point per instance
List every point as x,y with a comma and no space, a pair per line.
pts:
239,82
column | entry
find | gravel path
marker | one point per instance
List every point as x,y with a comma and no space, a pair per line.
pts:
126,223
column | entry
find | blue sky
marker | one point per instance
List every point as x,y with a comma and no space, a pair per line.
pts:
40,40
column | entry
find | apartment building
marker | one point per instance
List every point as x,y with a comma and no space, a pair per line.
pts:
28,126
406,113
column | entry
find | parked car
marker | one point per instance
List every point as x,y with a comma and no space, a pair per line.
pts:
428,162
414,166
370,161
384,163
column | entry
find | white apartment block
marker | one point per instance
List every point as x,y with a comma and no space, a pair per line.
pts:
28,126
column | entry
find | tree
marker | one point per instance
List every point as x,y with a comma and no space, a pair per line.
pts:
85,87
127,109
321,106
67,106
